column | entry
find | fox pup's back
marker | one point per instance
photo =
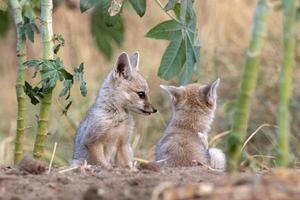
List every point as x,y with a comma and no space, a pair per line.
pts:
184,142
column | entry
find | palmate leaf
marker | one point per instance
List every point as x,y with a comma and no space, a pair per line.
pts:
167,30
79,76
87,4
172,60
107,30
33,93
53,71
139,6
29,28
182,56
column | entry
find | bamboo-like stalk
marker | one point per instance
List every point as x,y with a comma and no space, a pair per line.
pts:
248,84
285,82
21,58
47,39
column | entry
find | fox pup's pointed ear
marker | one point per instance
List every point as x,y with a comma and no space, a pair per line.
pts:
210,92
135,60
123,66
174,92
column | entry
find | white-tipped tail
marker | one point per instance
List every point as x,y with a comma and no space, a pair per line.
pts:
217,159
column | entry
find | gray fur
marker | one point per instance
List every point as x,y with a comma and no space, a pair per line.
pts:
184,141
103,136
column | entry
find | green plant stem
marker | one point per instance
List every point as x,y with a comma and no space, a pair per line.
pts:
47,39
21,76
285,82
248,84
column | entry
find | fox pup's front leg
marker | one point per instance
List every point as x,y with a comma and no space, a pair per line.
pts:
125,155
96,154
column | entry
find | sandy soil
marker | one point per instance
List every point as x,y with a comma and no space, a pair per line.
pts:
148,183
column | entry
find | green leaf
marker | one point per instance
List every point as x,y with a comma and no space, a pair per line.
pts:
33,93
4,23
52,72
79,75
87,4
34,63
183,10
139,6
183,53
65,111
58,38
187,71
192,54
29,28
172,60
66,74
66,91
167,30
176,10
106,35
170,5
56,48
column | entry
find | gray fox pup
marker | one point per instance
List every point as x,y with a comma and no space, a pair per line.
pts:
103,137
185,140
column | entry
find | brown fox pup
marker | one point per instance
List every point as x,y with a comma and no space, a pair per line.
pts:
185,139
103,137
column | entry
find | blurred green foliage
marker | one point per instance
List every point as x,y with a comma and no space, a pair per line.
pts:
4,23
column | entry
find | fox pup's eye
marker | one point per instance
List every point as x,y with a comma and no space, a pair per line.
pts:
142,95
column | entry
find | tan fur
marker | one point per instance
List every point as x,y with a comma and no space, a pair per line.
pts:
103,137
184,142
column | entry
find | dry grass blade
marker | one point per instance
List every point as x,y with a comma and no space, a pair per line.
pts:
253,134
141,160
52,157
218,136
69,169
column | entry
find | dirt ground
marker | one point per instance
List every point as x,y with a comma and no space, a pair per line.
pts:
147,183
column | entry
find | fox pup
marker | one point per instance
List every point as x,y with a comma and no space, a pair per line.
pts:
185,139
103,137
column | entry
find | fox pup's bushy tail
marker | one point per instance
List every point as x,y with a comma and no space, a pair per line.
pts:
217,159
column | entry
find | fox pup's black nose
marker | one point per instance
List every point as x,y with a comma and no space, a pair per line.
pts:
154,110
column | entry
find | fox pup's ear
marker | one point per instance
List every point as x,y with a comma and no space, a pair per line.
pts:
210,92
174,92
123,66
135,60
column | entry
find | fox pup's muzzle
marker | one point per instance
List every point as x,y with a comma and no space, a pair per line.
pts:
154,110
149,109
